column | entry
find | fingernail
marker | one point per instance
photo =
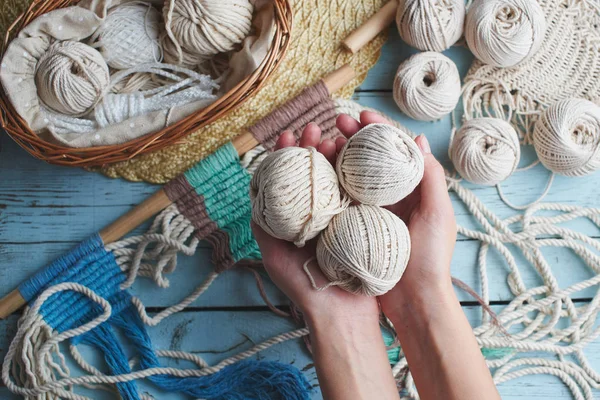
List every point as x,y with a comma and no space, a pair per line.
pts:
424,144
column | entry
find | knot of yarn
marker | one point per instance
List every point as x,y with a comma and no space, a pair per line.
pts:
129,35
295,194
505,33
427,86
430,25
485,151
364,250
567,137
71,78
199,29
380,165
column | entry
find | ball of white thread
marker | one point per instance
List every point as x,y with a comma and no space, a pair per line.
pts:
485,151
71,78
505,33
199,29
430,25
567,137
295,193
380,165
129,35
427,86
364,250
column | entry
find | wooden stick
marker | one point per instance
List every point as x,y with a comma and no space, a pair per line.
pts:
374,25
159,200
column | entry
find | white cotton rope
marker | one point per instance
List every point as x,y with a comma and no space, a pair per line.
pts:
485,151
504,33
566,137
430,25
427,86
295,193
380,165
71,78
129,35
364,250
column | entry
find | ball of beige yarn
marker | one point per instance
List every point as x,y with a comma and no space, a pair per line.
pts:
364,250
294,194
380,165
427,86
71,78
504,33
567,137
430,25
485,151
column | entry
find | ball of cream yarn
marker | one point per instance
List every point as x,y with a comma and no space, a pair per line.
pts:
427,86
505,33
364,250
380,165
485,151
567,137
295,193
430,25
129,35
71,78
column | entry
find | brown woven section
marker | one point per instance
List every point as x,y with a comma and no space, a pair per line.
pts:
221,257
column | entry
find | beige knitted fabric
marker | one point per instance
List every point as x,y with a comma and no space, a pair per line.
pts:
566,66
319,26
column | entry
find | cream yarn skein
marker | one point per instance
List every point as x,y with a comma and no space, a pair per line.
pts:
364,250
567,137
71,78
380,165
294,194
504,33
430,25
427,86
485,151
129,36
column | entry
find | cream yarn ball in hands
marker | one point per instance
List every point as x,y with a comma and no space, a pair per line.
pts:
129,36
294,194
504,33
431,25
364,250
71,78
567,137
485,151
427,86
380,165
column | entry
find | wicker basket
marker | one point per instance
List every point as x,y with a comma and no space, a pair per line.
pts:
18,129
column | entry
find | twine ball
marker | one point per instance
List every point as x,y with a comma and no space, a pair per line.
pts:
430,25
427,86
485,151
294,194
380,165
364,250
71,78
129,36
504,33
567,137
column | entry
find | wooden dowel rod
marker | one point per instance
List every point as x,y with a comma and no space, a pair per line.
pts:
374,25
339,78
11,303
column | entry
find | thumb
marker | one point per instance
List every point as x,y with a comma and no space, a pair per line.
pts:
434,191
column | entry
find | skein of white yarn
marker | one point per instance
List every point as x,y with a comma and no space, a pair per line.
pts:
199,29
71,78
380,165
504,33
364,250
427,86
485,151
430,25
295,194
567,137
129,36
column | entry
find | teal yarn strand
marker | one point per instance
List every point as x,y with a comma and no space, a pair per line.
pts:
494,354
393,354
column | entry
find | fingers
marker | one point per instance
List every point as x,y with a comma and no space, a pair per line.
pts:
347,125
340,143
369,117
311,136
286,139
328,149
434,192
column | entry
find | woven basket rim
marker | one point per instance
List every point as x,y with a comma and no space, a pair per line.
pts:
98,156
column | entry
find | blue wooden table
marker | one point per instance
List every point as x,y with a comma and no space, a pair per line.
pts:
45,210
